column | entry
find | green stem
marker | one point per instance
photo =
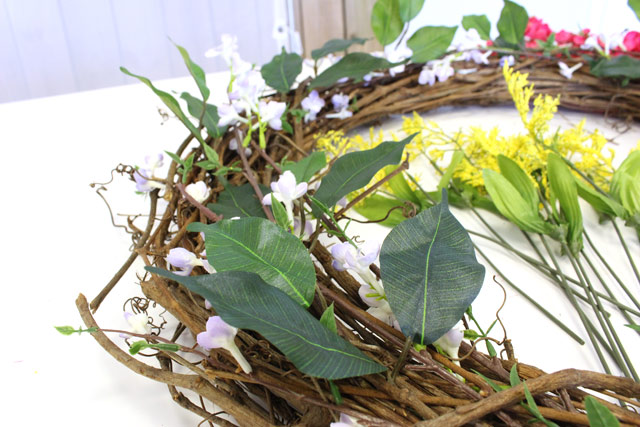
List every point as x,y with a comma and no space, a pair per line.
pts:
626,249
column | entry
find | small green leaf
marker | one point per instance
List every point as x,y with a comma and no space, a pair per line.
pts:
175,157
599,415
598,201
480,23
353,65
280,214
353,171
513,22
335,45
328,319
470,334
239,201
409,9
170,102
259,246
634,327
245,301
514,378
137,346
335,391
635,6
376,207
618,66
520,180
531,402
446,177
512,205
306,168
430,272
564,187
209,120
490,349
69,330
385,21
282,71
497,388
430,43
625,183
195,71
400,187
211,154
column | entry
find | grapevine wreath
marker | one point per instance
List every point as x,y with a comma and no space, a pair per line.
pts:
293,321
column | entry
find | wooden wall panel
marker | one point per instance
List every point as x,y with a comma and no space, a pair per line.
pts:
319,21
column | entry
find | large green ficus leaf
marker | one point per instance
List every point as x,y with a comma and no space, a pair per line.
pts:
282,71
430,42
409,9
430,272
353,171
618,66
513,22
354,66
304,169
259,246
564,187
238,201
386,22
335,45
245,301
169,101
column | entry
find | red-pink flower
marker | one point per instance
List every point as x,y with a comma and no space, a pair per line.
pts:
537,30
632,41
564,37
579,39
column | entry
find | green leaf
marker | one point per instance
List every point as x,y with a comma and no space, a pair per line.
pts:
598,201
385,21
353,65
480,23
328,319
353,171
634,327
599,415
195,71
175,157
335,45
625,183
137,346
170,102
259,246
375,207
239,201
513,22
209,120
282,71
497,388
245,301
430,42
512,205
335,391
279,213
635,6
531,402
70,330
564,187
409,9
514,378
618,66
446,177
520,180
304,169
400,187
430,272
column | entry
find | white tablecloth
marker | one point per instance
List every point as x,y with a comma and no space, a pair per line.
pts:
59,241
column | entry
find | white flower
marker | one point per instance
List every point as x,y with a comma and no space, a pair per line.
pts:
468,40
342,114
340,101
233,145
286,190
397,55
153,161
346,256
143,180
271,112
198,190
442,69
248,87
186,261
226,49
228,115
566,71
427,76
346,421
591,43
450,342
138,323
509,59
219,334
312,104
309,226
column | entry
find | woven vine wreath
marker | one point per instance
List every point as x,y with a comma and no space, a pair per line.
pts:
411,387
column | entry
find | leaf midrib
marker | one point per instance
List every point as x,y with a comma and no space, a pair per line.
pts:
426,278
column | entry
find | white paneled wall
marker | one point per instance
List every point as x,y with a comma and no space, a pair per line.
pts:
50,47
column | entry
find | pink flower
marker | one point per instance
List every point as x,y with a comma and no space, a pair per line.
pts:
537,30
564,37
631,41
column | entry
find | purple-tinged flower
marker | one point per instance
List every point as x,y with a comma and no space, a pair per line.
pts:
233,145
346,421
138,323
399,54
286,190
143,180
228,115
271,112
308,227
248,87
509,59
346,256
340,101
226,49
153,161
443,70
566,71
186,261
342,114
450,342
219,334
427,76
312,104
198,190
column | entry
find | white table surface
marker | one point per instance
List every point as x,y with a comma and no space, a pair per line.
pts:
59,241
